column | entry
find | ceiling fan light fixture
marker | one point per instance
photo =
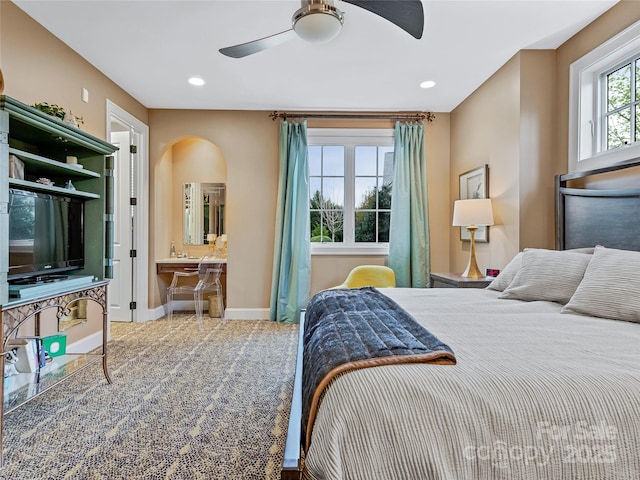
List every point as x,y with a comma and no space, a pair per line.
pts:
318,23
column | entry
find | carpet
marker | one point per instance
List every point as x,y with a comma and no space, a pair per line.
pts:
184,404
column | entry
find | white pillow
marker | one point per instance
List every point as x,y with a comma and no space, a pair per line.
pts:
549,275
610,287
507,274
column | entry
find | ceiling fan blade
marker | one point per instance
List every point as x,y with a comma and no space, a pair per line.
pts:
249,48
406,14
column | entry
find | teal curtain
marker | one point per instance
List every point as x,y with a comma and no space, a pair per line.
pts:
409,229
291,279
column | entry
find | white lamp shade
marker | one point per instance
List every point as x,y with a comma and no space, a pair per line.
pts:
474,211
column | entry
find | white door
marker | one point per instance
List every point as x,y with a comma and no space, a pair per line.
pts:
128,290
121,287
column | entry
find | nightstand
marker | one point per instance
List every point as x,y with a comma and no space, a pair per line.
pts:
455,280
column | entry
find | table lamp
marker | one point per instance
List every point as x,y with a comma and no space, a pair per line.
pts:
472,213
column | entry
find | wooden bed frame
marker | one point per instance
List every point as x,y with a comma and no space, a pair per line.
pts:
585,217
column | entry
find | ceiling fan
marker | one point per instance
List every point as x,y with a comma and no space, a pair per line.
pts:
318,21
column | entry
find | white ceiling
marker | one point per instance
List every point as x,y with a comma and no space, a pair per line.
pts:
150,48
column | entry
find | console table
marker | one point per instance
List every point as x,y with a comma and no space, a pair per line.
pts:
15,314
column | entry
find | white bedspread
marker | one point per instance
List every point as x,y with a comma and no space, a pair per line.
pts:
535,395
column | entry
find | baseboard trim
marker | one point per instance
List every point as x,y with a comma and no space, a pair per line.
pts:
229,313
246,314
86,344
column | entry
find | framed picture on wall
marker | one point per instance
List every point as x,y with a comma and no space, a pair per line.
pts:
475,184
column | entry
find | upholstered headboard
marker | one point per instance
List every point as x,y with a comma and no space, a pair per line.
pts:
586,217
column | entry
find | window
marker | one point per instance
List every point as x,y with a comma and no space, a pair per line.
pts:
604,117
620,124
350,187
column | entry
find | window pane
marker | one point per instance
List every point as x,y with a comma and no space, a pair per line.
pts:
333,192
333,160
384,194
333,223
366,161
637,137
316,227
384,219
619,88
618,128
365,189
637,80
315,185
385,162
365,223
315,160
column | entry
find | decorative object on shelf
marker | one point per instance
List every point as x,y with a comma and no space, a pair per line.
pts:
475,184
55,345
60,113
50,109
73,120
10,360
69,185
71,160
472,213
172,250
211,240
45,181
16,168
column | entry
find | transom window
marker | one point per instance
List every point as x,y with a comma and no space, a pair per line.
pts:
604,98
350,187
620,124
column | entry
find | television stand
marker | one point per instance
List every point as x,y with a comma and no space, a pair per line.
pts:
47,285
28,312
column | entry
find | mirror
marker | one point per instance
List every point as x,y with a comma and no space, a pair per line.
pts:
203,211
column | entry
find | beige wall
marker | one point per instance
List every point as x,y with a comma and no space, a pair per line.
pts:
508,124
485,130
517,122
37,67
613,21
248,141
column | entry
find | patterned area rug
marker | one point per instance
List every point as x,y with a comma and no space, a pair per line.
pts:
184,404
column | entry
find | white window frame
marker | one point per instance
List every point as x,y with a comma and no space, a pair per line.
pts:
586,104
349,137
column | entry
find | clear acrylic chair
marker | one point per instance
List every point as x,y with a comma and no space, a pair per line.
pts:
206,278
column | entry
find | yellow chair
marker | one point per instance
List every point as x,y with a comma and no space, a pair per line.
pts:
377,276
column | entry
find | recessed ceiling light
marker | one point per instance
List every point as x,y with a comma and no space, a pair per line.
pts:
197,81
428,84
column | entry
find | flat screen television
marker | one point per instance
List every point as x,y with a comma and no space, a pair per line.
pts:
46,235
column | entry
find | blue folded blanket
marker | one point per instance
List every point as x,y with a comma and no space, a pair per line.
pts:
346,329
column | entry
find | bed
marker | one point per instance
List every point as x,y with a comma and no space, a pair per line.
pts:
546,381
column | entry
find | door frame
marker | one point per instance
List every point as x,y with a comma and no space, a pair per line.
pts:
141,222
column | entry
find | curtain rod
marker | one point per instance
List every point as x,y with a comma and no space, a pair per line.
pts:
418,117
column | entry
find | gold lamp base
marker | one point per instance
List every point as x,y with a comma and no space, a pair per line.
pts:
472,270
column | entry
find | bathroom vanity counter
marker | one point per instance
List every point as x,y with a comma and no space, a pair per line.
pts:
166,267
170,265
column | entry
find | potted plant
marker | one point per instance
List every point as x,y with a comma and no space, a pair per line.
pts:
50,109
60,113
